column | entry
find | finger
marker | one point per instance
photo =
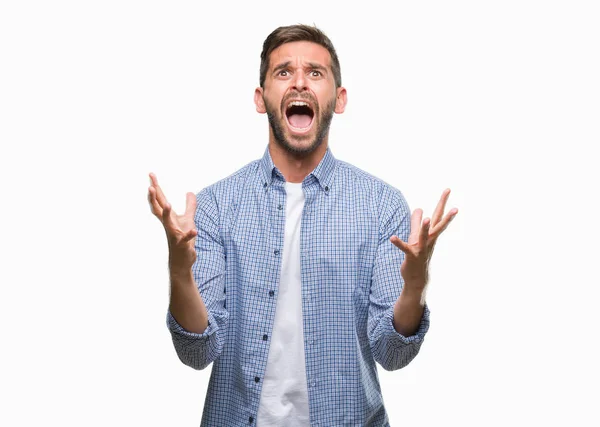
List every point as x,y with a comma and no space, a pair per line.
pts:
167,220
190,235
154,206
415,226
424,234
435,232
190,204
403,246
439,209
160,197
153,179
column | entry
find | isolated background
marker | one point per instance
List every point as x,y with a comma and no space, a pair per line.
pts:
497,100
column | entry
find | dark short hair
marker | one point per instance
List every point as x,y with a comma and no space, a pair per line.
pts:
296,33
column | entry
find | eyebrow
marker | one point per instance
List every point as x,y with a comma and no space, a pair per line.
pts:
281,66
312,65
316,66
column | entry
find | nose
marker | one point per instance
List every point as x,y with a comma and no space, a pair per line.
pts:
299,81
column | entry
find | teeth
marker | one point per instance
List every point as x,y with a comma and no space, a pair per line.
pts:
298,104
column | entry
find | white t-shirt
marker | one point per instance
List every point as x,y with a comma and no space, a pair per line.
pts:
284,395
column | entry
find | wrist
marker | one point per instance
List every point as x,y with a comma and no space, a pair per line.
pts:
414,291
180,275
180,263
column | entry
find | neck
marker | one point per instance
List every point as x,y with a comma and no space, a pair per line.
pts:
295,167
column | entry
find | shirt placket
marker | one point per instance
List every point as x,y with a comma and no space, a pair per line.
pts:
274,208
309,306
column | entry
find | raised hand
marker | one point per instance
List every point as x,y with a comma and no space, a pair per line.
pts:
180,229
421,242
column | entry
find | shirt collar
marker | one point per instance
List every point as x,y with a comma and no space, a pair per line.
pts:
323,173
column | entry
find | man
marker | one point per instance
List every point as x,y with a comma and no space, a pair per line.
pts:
295,274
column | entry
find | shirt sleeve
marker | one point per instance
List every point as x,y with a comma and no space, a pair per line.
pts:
391,349
193,349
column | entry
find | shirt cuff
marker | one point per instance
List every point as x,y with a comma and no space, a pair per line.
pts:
400,340
175,327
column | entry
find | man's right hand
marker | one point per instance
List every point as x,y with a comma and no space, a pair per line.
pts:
180,229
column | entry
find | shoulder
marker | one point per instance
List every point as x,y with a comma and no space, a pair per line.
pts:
386,197
232,181
225,192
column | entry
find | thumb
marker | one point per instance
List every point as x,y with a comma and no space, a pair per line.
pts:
400,244
190,204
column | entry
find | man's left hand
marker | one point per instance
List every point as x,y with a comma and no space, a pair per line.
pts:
421,241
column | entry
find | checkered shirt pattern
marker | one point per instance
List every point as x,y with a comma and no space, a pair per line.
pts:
350,274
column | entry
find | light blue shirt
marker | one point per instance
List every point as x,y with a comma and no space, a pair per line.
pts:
351,279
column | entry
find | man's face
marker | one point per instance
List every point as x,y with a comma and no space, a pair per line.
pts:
299,96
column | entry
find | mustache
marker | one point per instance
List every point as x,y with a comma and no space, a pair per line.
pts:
305,97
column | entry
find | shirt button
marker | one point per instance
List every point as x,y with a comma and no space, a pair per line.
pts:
271,293
250,420
326,188
256,379
265,185
276,251
265,337
280,207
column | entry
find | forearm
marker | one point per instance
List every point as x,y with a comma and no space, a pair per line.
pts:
196,319
408,310
186,304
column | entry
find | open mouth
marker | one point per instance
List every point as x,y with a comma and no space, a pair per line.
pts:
299,116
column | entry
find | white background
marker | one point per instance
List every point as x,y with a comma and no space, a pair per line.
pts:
500,101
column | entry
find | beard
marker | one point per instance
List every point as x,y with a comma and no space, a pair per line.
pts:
323,121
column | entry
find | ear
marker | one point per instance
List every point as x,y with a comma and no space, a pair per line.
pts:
340,100
259,101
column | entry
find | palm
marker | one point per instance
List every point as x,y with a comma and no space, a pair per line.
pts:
422,238
182,224
180,229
